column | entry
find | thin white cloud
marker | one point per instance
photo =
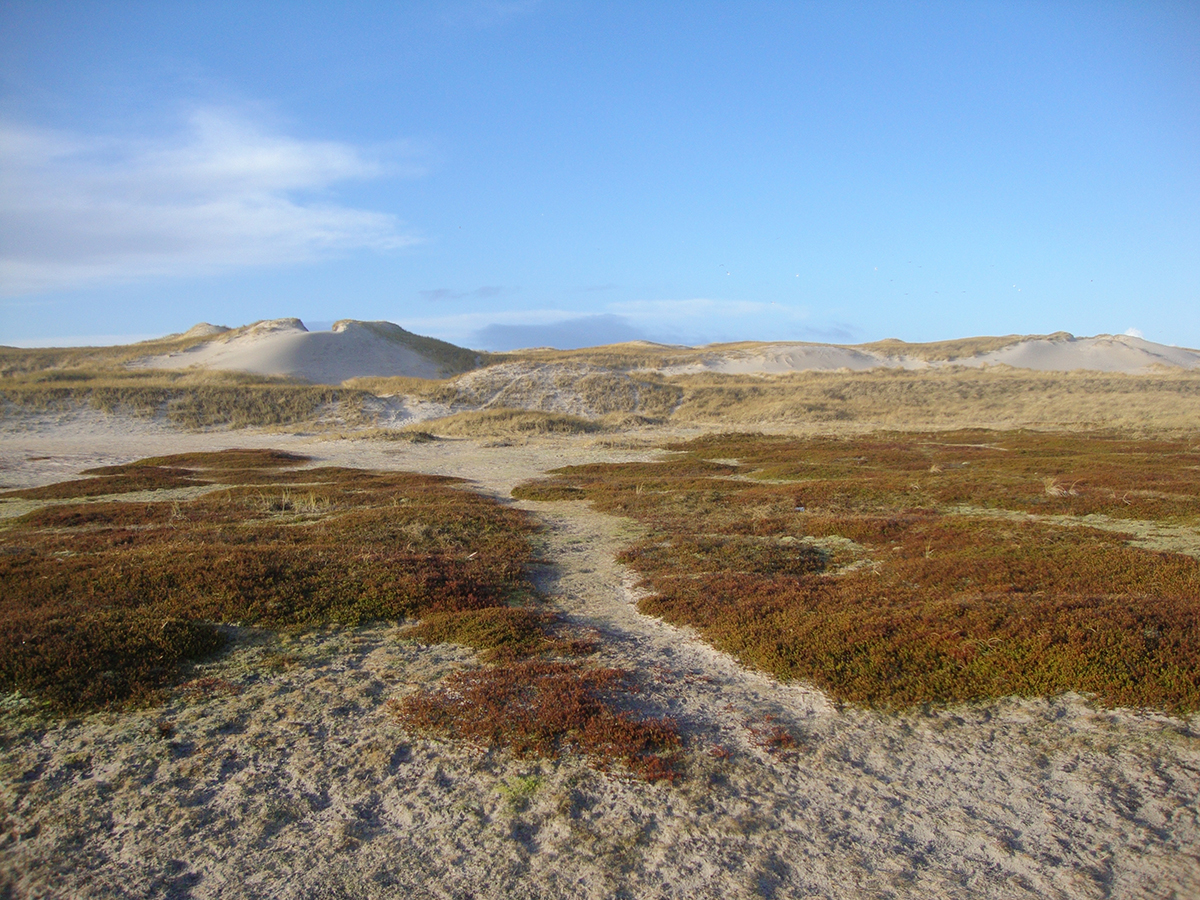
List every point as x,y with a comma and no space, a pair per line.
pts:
1134,332
691,321
79,210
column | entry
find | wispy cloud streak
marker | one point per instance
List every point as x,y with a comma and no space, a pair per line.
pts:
78,210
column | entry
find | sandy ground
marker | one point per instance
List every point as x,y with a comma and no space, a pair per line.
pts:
278,773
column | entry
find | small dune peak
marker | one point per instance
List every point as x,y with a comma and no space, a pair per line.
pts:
204,329
271,326
381,328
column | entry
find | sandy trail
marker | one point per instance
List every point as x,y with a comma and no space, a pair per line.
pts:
283,776
709,694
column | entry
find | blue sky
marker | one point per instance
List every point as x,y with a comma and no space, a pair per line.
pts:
505,174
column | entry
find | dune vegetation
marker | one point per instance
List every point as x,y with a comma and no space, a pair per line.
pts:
603,387
123,577
104,600
187,399
899,569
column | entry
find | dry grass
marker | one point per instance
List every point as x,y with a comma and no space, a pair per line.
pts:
15,361
508,423
939,399
857,563
940,351
583,390
437,390
643,355
188,399
614,384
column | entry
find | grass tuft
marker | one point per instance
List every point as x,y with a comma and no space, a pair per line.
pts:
509,422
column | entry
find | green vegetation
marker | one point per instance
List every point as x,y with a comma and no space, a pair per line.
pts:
898,569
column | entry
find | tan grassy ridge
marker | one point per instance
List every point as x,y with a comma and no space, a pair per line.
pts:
943,398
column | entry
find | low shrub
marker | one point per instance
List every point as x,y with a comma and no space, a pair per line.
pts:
545,708
101,602
899,569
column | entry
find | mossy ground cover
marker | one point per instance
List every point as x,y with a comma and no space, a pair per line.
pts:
103,600
546,707
872,566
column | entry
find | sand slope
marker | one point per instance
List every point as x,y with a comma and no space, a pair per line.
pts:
1103,353
1053,353
364,349
285,347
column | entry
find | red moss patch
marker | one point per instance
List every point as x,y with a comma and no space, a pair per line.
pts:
869,565
545,708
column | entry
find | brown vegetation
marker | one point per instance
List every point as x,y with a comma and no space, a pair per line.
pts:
103,600
873,567
507,423
546,708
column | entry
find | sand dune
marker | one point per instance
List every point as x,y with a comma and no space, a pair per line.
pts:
1103,353
353,349
285,347
1054,353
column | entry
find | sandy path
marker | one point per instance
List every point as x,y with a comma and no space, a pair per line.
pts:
284,777
709,694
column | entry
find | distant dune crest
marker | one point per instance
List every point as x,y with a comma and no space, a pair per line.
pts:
355,349
1059,352
285,347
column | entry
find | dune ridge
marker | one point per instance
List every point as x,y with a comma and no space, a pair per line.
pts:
285,347
356,349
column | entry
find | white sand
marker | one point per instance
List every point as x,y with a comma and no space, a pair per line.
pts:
285,347
1103,353
295,783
